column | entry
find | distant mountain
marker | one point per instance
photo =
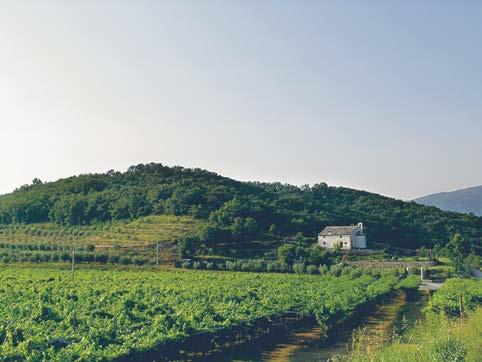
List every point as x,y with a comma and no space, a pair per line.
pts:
467,200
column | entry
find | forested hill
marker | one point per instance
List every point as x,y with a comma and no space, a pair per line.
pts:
232,210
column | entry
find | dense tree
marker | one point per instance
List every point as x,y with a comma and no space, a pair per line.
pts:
459,246
287,253
234,210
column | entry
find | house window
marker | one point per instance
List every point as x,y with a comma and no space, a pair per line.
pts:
346,242
341,236
324,242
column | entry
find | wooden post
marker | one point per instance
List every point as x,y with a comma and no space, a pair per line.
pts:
157,255
73,261
461,306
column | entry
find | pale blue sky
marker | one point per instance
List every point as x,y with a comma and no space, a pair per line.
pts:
384,96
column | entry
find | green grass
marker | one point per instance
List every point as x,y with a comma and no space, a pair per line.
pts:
412,258
443,335
435,339
445,261
146,230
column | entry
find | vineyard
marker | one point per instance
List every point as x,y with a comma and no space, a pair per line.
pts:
451,330
457,297
115,314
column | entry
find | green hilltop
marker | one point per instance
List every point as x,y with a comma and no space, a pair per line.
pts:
220,210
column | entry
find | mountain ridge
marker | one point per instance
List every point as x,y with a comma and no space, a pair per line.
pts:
466,200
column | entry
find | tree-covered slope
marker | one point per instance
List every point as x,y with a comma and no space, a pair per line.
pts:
232,210
467,200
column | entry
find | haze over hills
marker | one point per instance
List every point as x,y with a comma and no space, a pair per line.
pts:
468,200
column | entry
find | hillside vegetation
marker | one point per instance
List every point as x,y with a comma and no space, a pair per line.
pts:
230,210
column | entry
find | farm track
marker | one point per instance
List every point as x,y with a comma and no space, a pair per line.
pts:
305,343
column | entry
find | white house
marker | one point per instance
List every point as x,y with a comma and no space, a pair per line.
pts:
345,237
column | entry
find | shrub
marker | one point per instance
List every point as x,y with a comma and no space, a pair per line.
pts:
311,269
254,265
393,272
88,257
125,260
347,270
186,265
336,270
114,259
44,257
101,258
474,261
245,265
299,268
64,256
323,269
356,273
34,258
376,273
139,261
283,267
287,253
231,265
411,282
187,245
197,265
450,349
423,252
276,266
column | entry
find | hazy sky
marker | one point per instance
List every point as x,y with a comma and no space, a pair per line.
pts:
384,96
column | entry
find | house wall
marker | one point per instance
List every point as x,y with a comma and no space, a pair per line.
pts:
360,242
330,241
348,241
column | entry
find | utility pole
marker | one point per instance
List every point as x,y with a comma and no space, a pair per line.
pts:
157,255
461,306
73,261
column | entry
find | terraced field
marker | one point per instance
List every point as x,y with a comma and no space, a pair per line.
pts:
144,230
99,242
